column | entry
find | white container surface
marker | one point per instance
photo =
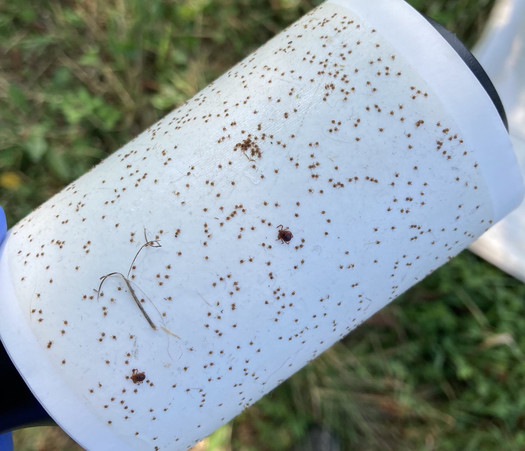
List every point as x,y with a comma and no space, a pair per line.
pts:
502,53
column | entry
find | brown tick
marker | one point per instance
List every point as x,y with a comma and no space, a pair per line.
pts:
284,234
137,377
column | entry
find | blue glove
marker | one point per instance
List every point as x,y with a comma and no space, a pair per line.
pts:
3,225
6,440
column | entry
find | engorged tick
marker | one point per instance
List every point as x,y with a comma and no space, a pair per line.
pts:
137,377
284,234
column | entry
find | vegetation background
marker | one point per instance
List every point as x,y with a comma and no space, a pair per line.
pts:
440,369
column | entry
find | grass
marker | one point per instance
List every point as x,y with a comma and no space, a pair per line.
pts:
441,368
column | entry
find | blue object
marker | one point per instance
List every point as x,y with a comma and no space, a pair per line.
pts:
6,442
3,227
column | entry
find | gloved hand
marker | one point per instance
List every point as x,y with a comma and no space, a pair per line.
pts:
3,225
6,439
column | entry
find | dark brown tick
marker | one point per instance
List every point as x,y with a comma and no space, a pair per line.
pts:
284,234
137,377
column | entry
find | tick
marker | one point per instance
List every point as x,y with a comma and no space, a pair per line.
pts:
284,234
137,377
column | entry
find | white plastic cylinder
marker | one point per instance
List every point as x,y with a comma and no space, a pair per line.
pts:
243,234
501,50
